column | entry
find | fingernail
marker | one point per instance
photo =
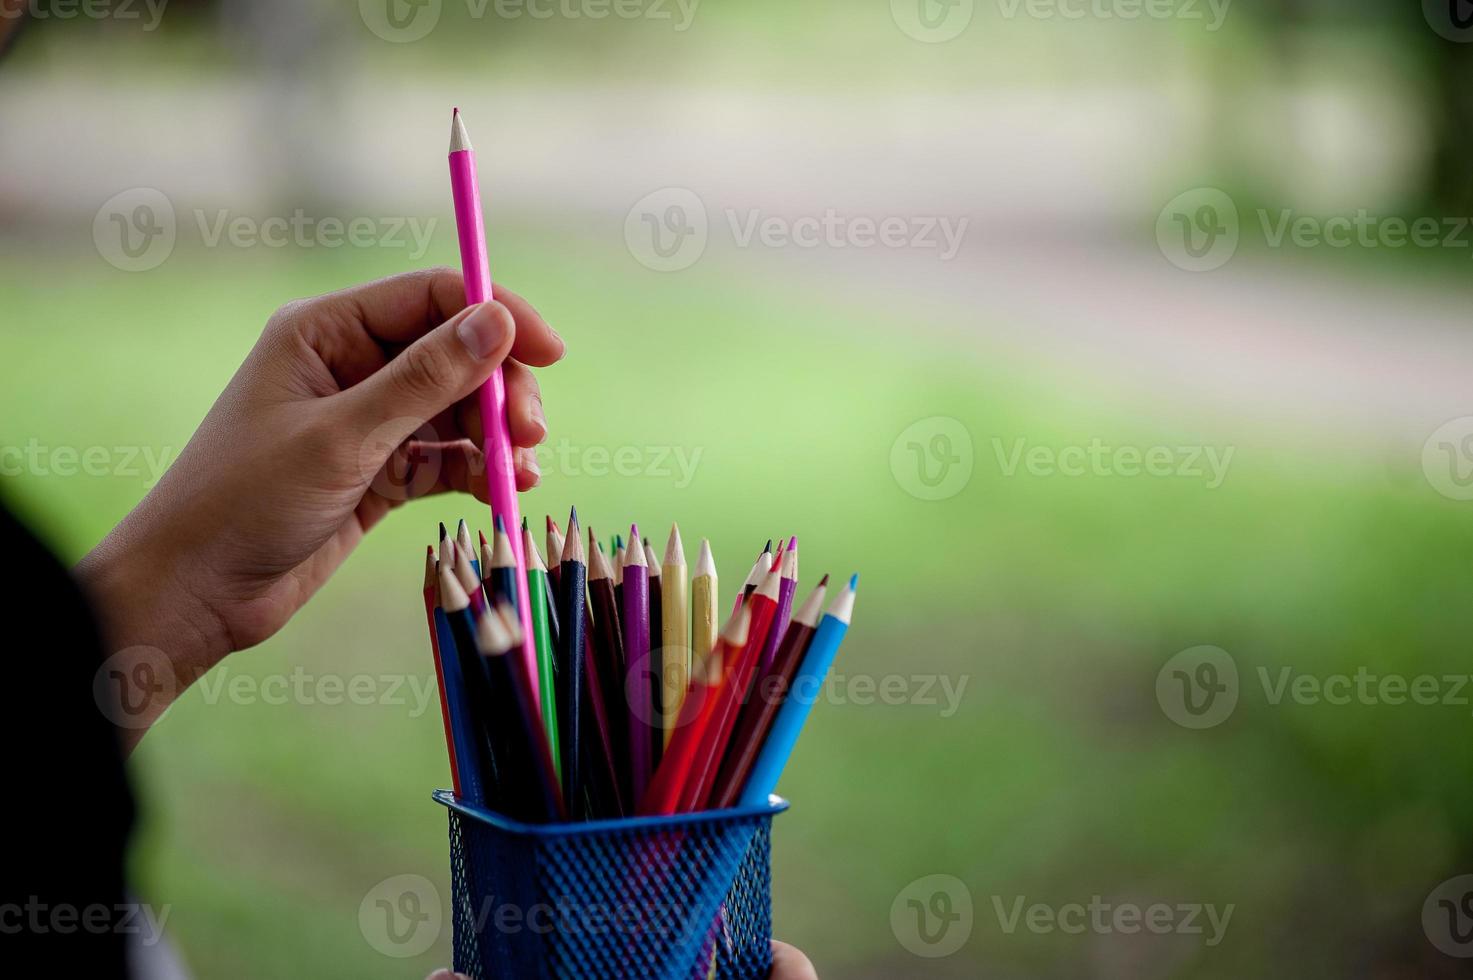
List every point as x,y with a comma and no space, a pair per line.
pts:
537,415
481,330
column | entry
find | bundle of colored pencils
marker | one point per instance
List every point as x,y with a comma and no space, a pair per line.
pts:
628,702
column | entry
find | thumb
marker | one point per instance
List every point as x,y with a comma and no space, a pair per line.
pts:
433,373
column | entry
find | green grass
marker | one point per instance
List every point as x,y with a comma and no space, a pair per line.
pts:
1054,600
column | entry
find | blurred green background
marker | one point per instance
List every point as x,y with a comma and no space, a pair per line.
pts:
803,376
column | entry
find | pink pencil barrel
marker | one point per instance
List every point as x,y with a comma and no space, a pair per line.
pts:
475,267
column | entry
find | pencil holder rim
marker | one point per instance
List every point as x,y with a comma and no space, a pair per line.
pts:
775,804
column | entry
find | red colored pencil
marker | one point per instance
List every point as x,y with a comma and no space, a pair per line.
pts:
609,661
731,696
768,693
662,797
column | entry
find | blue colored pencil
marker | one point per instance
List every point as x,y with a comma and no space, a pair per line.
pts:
803,692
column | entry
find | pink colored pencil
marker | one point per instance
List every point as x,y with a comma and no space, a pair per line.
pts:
475,267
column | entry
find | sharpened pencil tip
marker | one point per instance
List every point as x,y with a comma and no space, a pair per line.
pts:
854,581
500,525
524,523
768,549
825,580
573,516
459,140
792,542
618,542
482,535
443,534
549,522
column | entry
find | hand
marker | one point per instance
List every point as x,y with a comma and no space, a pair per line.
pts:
348,405
788,963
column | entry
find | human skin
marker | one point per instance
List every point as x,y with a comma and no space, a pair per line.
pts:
348,405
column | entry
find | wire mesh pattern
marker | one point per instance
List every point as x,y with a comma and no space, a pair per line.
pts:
667,897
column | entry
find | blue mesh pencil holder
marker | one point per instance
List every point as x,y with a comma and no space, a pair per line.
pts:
662,897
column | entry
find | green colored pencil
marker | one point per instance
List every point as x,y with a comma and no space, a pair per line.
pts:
537,590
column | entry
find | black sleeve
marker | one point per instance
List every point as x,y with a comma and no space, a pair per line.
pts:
67,808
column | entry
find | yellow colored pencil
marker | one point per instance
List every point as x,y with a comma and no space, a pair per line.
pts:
674,630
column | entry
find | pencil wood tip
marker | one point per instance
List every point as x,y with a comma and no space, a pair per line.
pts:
443,533
824,580
459,139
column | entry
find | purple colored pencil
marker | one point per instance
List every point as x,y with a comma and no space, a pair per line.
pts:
787,586
636,621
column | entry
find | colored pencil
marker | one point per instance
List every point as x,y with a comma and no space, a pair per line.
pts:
469,580
554,585
516,702
475,265
802,693
674,635
572,677
704,598
477,753
787,585
555,545
635,618
657,653
431,589
546,667
731,696
759,571
609,654
447,548
664,792
501,575
463,543
768,694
